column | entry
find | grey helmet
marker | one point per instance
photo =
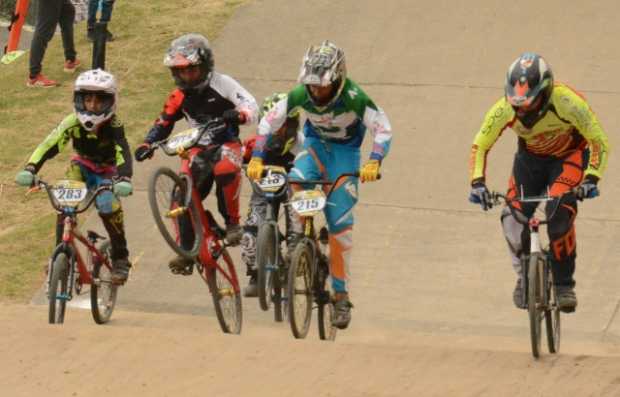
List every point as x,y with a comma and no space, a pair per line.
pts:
324,65
190,50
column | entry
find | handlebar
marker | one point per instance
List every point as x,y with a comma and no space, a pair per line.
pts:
327,182
497,198
215,125
40,184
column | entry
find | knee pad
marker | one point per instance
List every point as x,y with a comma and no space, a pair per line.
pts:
107,203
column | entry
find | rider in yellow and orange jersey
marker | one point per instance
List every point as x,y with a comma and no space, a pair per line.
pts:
562,147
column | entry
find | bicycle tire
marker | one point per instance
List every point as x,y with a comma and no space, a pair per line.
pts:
266,264
535,301
325,304
301,267
175,191
103,293
226,296
59,287
552,314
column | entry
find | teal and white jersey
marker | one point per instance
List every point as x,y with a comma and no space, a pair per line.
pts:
343,121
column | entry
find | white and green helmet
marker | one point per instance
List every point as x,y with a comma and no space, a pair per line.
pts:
324,65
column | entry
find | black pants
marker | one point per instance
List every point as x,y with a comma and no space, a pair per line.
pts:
51,13
533,175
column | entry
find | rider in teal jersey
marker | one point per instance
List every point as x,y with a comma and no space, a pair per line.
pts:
337,112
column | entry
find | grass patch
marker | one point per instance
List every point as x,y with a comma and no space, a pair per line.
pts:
143,31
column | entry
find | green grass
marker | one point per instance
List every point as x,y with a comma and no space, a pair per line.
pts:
144,29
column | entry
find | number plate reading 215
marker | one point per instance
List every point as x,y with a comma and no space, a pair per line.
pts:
308,202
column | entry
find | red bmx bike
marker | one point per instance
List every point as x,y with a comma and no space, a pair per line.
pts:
174,199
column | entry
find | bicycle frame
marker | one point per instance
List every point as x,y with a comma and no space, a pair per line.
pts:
211,246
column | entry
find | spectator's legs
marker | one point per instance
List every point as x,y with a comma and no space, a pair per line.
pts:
48,14
67,18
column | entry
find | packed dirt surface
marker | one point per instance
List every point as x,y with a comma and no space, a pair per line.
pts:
431,279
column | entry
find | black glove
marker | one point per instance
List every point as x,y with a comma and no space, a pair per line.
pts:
143,152
480,195
232,117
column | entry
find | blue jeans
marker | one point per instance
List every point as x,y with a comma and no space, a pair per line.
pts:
106,11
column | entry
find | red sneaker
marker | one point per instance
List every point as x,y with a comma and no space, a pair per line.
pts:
41,81
71,66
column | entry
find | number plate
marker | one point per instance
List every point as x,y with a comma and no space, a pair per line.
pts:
69,193
272,182
308,202
182,140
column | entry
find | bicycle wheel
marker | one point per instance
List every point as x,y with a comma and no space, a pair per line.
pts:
327,331
59,289
168,198
535,300
226,294
266,264
552,313
299,290
103,291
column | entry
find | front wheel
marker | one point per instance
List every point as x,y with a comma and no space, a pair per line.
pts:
224,286
59,289
326,311
535,300
552,315
103,291
299,290
266,264
172,210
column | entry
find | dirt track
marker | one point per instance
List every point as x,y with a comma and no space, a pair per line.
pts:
431,279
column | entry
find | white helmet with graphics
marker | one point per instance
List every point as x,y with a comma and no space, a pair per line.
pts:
94,98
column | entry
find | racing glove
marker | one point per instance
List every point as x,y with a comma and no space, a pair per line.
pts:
25,177
143,152
255,168
480,195
233,117
123,187
588,188
370,171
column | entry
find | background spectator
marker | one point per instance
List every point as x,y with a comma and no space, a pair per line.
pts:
106,14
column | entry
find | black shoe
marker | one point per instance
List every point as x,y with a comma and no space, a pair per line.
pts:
233,234
567,300
120,270
181,265
109,36
342,313
251,291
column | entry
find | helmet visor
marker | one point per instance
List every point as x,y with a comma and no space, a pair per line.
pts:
96,103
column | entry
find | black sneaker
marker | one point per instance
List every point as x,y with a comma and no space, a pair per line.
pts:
518,295
251,290
120,270
567,300
181,265
234,234
109,36
342,313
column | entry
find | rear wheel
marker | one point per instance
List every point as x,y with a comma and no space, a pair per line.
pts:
59,289
266,263
171,208
299,290
552,315
103,291
226,294
535,301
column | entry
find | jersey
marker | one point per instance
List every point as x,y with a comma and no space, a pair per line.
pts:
104,147
221,94
343,121
568,125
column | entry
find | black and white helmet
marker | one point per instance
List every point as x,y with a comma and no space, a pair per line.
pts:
529,78
98,82
191,49
324,65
